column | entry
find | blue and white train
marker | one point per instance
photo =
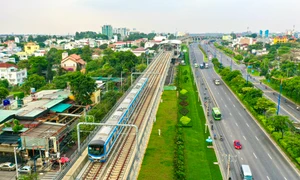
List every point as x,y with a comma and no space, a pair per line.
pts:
101,145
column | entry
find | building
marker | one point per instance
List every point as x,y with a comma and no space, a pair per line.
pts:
121,31
30,48
226,38
108,31
150,44
245,40
280,39
12,74
139,51
160,38
39,53
72,62
22,55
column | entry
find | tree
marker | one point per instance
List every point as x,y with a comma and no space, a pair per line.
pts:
281,124
23,64
34,81
86,54
16,57
4,83
238,57
103,46
30,39
141,67
3,93
37,65
263,104
82,87
254,35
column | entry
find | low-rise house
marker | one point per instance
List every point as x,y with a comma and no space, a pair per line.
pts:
139,51
72,62
30,48
40,53
22,55
12,74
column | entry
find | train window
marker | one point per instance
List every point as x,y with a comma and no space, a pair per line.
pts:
96,149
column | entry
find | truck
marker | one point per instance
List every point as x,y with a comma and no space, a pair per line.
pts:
217,81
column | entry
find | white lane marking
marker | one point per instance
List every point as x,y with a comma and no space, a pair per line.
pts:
225,92
241,158
247,124
225,105
230,114
240,114
268,177
239,152
236,124
244,137
285,178
218,93
222,99
269,156
254,155
234,106
290,106
256,138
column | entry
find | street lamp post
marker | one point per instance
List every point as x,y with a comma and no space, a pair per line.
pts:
121,81
280,91
16,162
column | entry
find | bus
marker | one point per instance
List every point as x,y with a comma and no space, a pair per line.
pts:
216,113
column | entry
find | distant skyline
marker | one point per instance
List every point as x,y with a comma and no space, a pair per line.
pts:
193,16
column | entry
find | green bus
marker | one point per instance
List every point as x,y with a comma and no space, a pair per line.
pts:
216,113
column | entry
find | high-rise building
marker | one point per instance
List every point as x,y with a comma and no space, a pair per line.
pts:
108,31
260,33
266,33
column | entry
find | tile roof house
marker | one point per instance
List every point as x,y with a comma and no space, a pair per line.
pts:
72,62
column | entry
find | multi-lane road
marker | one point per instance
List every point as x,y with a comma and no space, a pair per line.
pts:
265,161
287,107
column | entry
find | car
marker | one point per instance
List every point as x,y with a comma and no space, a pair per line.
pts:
237,144
25,169
8,166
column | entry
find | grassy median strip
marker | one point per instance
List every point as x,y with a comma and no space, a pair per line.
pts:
205,55
198,158
158,160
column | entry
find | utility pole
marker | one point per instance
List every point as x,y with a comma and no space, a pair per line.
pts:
228,167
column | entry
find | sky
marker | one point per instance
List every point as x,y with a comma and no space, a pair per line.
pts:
192,16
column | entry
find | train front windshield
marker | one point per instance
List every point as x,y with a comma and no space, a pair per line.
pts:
96,150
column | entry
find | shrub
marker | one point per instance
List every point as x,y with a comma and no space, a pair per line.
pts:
185,120
185,72
184,103
184,111
183,97
183,91
185,79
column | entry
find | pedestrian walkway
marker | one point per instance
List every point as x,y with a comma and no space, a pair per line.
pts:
48,176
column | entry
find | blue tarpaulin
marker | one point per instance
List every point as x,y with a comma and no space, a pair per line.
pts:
60,107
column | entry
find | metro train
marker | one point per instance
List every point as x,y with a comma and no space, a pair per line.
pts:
101,145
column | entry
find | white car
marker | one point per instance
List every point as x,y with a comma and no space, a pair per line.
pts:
25,169
8,166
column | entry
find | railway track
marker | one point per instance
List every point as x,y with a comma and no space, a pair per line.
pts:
118,160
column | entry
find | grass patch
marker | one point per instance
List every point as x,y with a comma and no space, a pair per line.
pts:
198,158
205,55
158,159
254,73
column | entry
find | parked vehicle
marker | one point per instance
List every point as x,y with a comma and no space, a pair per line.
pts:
25,169
8,166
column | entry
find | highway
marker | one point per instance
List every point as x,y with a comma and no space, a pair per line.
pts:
265,161
287,107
